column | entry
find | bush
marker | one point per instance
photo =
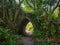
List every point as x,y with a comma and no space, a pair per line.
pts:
6,38
46,30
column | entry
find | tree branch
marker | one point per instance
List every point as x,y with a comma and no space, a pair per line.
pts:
45,11
55,7
29,4
17,10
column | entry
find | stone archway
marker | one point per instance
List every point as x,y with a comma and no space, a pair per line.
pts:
22,26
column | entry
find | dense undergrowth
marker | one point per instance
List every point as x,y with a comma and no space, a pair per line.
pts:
42,14
7,37
47,33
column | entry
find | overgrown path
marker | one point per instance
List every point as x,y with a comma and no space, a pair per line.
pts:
27,40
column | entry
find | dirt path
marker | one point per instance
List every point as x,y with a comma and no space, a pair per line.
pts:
27,41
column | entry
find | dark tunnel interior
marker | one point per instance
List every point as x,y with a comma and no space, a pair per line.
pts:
22,26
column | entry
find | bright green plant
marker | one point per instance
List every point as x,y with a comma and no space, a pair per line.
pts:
29,27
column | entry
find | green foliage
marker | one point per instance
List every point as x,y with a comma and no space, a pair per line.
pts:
47,30
56,12
1,21
44,16
46,42
6,38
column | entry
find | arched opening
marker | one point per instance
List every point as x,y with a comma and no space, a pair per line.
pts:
26,27
29,29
